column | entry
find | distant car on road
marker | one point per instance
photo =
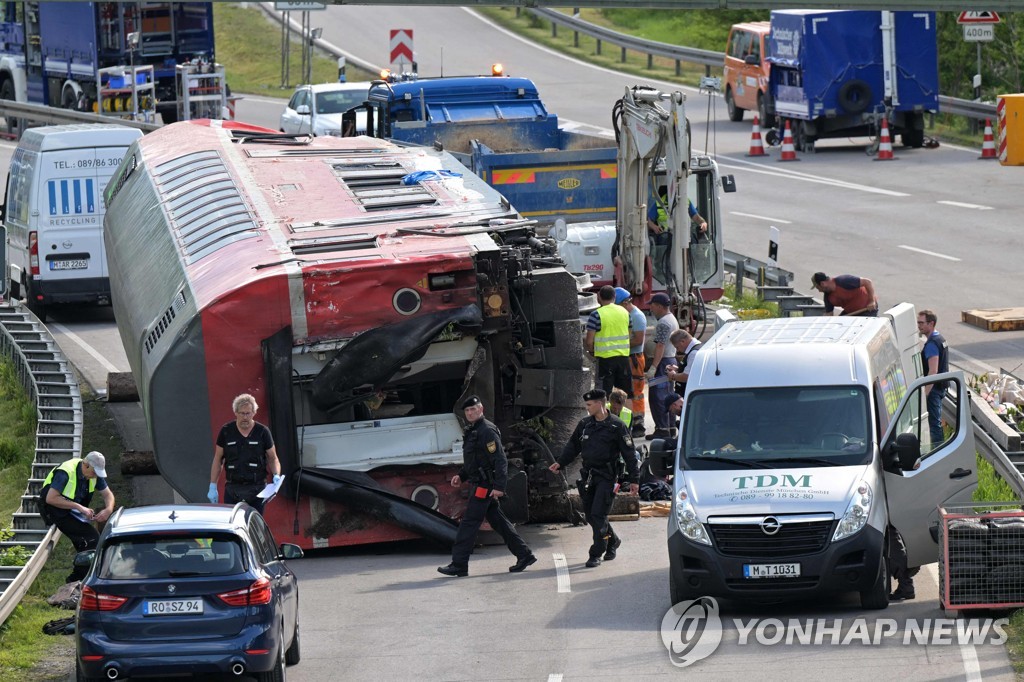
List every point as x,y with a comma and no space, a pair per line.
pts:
317,109
187,589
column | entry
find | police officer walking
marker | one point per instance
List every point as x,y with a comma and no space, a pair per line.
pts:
64,501
246,450
485,468
601,439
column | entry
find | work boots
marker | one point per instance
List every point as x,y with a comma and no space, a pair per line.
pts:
454,571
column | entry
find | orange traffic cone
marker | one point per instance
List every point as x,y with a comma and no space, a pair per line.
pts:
988,147
788,151
885,144
756,146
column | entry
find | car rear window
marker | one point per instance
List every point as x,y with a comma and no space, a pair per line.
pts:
132,558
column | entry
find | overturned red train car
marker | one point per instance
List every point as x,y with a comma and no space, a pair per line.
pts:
360,290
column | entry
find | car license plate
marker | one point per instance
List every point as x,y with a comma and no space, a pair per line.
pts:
79,264
771,570
173,607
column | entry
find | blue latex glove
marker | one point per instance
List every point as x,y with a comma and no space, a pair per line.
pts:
212,494
277,479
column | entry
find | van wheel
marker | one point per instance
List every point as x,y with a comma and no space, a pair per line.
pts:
877,597
37,309
9,124
735,113
762,112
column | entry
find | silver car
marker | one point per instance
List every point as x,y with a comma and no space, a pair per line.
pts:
317,109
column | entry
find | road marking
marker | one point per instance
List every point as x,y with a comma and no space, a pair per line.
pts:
985,367
969,655
562,574
761,217
928,253
555,677
86,347
960,204
729,162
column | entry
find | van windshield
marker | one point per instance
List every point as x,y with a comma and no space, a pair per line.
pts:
809,426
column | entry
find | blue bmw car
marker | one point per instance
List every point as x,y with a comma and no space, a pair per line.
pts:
187,590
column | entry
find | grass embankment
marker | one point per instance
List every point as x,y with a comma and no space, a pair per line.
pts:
692,28
249,47
25,652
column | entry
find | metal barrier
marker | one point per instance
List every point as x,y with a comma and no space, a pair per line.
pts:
709,59
47,378
37,113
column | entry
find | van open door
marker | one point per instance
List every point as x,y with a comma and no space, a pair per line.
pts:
947,474
3,263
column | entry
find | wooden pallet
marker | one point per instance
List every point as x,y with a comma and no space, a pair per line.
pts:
995,319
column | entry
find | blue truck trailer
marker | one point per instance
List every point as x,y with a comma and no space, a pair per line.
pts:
838,73
499,127
52,53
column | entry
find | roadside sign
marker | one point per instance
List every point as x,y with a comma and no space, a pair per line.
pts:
979,33
299,6
401,49
978,18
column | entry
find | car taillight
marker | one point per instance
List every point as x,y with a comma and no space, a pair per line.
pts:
257,593
94,601
33,253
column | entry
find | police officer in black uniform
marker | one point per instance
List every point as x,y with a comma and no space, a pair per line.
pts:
246,450
485,468
602,439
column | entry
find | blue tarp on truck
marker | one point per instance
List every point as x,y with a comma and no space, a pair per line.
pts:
829,68
500,128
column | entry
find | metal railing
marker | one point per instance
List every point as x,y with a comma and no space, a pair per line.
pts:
38,113
48,380
707,58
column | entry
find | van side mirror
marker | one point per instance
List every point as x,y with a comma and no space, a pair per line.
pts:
903,453
751,59
84,559
661,457
728,184
302,110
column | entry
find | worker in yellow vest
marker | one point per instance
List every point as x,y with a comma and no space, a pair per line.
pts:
64,501
608,336
617,405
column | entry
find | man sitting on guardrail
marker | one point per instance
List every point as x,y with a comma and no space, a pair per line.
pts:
64,501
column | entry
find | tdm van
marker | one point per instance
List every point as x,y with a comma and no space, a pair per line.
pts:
796,456
53,213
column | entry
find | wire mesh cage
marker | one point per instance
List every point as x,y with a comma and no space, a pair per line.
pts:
981,556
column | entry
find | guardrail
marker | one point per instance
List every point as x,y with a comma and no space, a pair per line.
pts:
708,58
38,113
47,378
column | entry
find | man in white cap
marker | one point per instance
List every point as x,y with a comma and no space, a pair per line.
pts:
64,501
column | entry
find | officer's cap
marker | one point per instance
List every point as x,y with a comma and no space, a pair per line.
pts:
471,401
596,394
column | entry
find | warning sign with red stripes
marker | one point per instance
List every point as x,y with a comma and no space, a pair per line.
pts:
978,18
401,49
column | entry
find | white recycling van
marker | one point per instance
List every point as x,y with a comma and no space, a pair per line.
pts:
795,458
53,213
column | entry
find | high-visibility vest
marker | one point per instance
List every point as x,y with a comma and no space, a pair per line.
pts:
613,338
626,415
71,468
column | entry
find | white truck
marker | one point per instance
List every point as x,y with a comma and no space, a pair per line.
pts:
803,443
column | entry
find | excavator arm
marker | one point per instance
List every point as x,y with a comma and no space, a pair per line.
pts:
651,128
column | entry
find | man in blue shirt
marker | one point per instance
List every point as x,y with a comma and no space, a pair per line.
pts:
936,361
637,361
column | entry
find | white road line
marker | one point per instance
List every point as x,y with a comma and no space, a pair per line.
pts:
762,217
562,574
960,204
724,162
985,367
969,655
555,677
928,253
86,347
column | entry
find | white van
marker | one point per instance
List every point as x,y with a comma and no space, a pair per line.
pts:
53,213
795,455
